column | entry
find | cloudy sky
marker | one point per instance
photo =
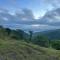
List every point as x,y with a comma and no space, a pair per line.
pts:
30,14
39,7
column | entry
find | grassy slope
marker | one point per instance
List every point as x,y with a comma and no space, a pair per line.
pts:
18,50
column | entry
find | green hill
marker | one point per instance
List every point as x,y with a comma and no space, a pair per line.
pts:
20,50
13,34
51,34
15,45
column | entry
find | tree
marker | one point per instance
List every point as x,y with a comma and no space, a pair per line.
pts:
1,26
31,34
20,33
56,44
8,31
42,41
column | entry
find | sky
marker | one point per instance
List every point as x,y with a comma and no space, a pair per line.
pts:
39,7
30,14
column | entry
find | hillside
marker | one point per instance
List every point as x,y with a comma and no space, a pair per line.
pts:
12,33
20,50
16,45
51,34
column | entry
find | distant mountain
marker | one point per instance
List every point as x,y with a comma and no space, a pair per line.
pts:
51,34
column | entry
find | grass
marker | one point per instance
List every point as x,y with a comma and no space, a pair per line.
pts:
20,50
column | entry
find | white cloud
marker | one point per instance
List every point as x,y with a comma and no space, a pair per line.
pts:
5,18
36,25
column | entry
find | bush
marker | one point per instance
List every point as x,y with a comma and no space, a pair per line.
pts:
56,44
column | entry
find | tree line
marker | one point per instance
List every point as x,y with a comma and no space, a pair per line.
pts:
19,34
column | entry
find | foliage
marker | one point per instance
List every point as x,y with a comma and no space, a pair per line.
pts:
41,40
19,34
31,34
56,44
13,34
20,50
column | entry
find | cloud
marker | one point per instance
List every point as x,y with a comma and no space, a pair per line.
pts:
25,14
51,18
25,20
4,18
54,3
32,27
2,10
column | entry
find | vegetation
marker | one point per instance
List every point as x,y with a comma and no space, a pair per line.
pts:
20,50
31,34
18,45
41,40
56,44
13,34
